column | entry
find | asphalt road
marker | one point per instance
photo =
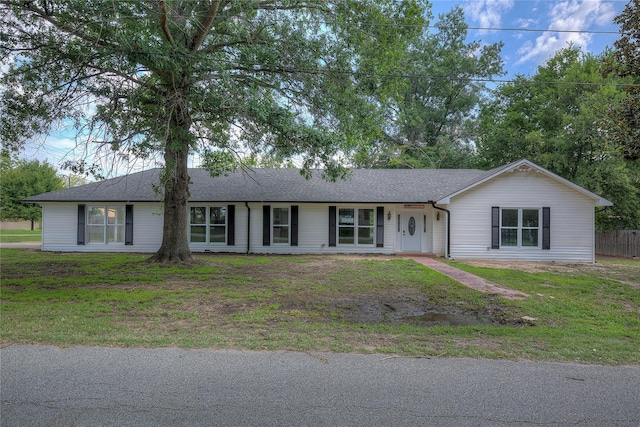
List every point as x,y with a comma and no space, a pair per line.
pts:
81,386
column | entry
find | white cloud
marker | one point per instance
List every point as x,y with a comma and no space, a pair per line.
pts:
573,15
526,23
58,149
52,149
488,13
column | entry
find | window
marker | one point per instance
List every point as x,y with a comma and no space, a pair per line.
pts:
365,226
217,224
356,226
208,224
280,225
346,226
519,227
106,224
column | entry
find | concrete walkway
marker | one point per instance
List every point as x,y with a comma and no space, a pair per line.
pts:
21,245
470,280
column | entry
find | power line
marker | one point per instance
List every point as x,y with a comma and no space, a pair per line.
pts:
275,69
427,26
532,30
267,68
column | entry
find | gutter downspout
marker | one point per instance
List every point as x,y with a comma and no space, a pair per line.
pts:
448,251
248,227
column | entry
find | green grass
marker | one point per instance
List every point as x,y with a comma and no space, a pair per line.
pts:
13,236
303,303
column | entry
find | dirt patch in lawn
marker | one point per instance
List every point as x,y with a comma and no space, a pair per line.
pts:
416,311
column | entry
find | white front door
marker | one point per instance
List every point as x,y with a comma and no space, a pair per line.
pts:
411,232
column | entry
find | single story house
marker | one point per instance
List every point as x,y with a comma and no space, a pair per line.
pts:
519,211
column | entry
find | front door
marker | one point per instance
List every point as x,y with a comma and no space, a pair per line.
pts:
411,232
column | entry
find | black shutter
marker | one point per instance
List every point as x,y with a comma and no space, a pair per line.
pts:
294,226
231,225
81,222
128,225
266,225
546,228
380,227
332,225
495,227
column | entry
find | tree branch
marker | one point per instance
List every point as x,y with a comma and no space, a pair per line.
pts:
163,21
205,26
216,47
42,14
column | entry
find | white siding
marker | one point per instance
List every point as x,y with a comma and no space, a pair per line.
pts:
572,218
147,227
60,228
439,232
313,231
427,232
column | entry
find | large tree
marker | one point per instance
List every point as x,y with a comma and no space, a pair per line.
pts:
432,117
217,77
22,180
627,64
559,118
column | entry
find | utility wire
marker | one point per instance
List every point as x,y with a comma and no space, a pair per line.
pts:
266,68
534,30
279,69
425,26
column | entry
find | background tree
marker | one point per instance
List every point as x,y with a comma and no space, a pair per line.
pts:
559,118
23,180
73,180
626,133
163,78
431,120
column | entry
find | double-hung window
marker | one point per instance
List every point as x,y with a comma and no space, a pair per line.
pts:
208,224
106,224
356,226
280,225
519,227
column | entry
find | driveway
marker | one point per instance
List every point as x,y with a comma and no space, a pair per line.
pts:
135,387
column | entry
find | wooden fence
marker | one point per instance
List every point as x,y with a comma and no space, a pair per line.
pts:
625,243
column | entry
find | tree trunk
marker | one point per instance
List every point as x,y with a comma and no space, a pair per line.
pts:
175,242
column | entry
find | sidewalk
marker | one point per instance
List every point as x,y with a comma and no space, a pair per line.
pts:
21,245
470,280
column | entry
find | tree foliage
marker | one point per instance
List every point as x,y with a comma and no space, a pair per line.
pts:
560,119
21,180
218,77
626,115
431,119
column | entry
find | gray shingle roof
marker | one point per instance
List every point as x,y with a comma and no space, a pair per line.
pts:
282,185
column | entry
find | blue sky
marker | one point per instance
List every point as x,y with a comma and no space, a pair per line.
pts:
580,21
524,51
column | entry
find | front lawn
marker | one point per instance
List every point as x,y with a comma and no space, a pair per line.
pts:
12,236
317,303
